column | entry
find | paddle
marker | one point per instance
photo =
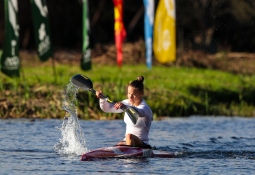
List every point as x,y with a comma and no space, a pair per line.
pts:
85,83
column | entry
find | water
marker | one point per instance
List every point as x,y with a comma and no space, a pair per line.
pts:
72,139
204,145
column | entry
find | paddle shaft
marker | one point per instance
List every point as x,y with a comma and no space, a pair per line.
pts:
107,99
131,111
85,83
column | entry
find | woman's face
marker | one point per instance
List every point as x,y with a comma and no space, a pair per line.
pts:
134,96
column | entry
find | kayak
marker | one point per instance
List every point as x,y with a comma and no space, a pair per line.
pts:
124,152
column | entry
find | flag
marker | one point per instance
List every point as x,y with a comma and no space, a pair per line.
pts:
148,27
41,29
10,63
119,29
86,52
164,44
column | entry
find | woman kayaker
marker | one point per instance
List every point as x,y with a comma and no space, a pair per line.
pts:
136,135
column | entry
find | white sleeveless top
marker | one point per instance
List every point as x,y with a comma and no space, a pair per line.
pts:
142,127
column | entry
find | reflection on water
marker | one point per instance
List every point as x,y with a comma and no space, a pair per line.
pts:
72,139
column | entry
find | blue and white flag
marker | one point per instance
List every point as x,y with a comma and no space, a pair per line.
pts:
148,27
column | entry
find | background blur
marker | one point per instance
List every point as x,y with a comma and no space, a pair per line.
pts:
208,25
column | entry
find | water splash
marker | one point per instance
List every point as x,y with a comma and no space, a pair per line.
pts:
72,139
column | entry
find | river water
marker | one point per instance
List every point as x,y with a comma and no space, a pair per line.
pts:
203,145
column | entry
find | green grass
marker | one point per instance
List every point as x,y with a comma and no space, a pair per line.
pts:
170,91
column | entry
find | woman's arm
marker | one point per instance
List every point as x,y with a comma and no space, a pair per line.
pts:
105,105
108,107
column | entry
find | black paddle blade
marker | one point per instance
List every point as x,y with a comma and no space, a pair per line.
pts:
81,81
133,114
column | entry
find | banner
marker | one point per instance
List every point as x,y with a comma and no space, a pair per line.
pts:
10,63
119,29
164,44
148,27
86,52
41,29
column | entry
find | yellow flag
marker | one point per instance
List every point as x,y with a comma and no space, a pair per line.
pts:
164,44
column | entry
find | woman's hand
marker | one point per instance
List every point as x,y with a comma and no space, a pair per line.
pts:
120,105
99,94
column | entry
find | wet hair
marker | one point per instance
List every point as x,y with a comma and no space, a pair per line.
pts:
138,83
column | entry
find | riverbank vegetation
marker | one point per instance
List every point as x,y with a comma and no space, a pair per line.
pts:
170,91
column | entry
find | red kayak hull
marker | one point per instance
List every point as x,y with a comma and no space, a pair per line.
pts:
123,152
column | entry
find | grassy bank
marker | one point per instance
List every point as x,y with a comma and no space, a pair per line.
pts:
170,91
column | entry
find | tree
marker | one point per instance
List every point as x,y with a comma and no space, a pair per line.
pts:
210,24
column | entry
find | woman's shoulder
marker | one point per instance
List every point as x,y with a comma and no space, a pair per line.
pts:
143,102
126,102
